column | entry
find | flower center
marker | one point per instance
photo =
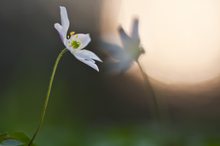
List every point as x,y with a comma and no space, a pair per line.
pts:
75,44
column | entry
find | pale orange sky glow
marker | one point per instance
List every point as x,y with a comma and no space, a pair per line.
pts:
181,38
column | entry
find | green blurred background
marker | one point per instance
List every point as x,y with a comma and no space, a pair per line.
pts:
86,107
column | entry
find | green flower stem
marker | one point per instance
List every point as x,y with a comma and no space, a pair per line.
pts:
43,112
148,87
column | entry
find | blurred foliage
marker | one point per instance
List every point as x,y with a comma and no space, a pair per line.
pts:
14,139
124,136
67,123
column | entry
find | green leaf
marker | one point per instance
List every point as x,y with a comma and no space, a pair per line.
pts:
14,139
11,142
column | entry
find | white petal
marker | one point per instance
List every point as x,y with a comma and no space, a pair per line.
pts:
89,55
87,61
84,39
59,28
135,30
64,19
66,44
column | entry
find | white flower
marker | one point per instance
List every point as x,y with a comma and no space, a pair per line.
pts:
130,51
76,43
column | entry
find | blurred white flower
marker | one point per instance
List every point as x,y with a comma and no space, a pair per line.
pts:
130,51
76,43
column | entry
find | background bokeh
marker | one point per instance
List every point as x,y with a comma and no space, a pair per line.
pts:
87,107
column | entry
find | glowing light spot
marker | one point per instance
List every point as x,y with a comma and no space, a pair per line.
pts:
181,38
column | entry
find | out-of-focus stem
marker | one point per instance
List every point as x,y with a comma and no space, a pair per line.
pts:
148,87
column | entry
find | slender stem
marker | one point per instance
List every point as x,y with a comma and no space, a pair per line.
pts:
149,87
43,112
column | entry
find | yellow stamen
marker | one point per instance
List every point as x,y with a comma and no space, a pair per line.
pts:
69,35
72,33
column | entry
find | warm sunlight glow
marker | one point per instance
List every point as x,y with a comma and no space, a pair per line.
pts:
181,37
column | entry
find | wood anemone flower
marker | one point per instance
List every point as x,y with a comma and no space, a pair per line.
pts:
76,43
